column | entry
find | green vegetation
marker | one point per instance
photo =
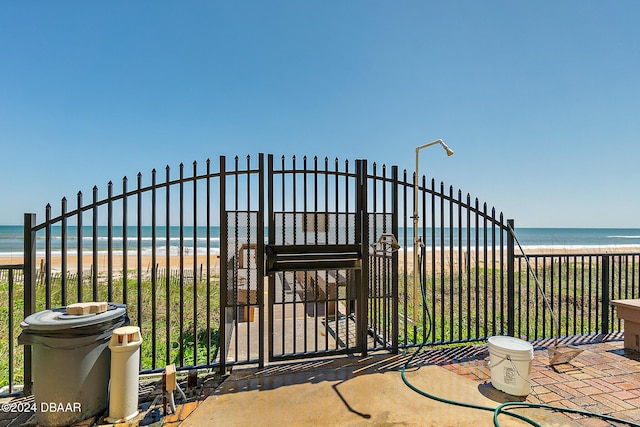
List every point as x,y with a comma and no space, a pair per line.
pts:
466,304
164,328
471,304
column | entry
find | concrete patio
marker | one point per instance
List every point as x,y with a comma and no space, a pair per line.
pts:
354,391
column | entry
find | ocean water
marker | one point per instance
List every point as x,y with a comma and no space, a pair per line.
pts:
530,238
11,239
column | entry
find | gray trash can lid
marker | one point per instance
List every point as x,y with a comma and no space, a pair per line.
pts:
59,321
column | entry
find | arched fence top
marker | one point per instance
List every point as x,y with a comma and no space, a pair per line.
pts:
288,166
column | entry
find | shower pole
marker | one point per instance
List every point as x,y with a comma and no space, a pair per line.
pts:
416,239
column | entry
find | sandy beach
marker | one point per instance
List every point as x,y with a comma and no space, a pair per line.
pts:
146,261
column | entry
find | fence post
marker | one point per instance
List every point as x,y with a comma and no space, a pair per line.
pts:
362,275
271,229
29,290
222,331
511,293
395,329
260,256
605,295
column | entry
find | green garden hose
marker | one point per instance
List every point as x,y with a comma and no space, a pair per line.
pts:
500,409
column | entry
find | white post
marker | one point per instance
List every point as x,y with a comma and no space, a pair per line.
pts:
125,363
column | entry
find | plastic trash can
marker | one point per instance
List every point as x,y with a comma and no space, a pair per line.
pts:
125,365
70,362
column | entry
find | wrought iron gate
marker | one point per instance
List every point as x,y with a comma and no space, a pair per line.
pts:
329,291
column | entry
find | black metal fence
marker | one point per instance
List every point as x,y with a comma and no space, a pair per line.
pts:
579,289
11,279
186,254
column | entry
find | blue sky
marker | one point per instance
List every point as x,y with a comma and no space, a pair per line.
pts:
540,100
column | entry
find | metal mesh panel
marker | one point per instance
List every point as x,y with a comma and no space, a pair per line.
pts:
315,228
242,265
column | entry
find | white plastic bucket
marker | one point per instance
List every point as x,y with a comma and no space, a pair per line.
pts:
510,364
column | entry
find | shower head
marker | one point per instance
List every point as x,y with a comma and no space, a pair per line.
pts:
446,148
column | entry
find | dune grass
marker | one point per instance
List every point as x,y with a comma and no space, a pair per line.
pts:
192,342
465,306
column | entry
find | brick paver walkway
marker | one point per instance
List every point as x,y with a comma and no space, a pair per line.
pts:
604,378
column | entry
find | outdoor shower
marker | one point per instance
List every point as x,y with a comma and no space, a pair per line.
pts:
416,238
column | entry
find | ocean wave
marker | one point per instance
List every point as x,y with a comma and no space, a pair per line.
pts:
160,252
129,238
